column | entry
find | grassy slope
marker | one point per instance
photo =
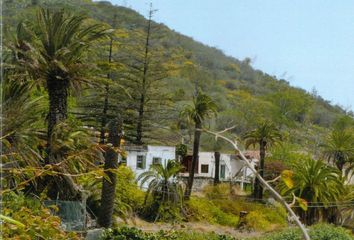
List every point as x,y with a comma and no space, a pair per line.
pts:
221,76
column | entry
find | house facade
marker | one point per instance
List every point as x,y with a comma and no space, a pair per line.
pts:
140,158
232,168
206,165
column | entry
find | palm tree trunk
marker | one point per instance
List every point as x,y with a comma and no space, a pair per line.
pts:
258,189
58,108
195,158
217,168
60,186
109,187
261,169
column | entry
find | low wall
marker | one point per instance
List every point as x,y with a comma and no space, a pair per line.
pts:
199,182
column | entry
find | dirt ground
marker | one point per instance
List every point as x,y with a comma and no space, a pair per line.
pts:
192,226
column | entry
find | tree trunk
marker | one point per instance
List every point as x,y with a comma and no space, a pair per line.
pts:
339,161
139,127
217,168
60,187
106,96
58,108
195,158
104,116
141,111
258,188
109,187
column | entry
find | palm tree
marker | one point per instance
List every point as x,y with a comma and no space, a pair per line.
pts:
264,135
20,132
203,107
55,60
316,183
163,186
339,148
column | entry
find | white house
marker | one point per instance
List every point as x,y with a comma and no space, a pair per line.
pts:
206,166
140,158
232,168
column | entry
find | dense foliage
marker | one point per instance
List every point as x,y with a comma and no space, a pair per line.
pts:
317,232
73,69
134,233
37,221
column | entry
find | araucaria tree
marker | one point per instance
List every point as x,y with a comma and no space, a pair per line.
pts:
264,135
202,108
146,69
54,57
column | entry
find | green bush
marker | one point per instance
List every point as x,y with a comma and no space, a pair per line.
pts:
256,221
129,197
221,190
39,223
127,233
269,216
317,232
128,192
201,209
329,232
226,212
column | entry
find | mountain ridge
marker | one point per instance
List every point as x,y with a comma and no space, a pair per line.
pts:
242,93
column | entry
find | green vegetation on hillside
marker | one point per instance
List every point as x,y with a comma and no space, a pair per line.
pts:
243,95
82,80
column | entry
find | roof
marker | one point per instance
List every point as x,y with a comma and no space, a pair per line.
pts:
250,154
144,148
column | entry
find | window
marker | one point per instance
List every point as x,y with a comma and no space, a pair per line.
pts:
156,160
205,168
140,161
222,171
123,160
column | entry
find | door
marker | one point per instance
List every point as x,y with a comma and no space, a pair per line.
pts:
222,171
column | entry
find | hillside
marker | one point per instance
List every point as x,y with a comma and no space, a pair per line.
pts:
243,94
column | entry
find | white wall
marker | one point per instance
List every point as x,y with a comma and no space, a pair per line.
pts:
208,158
164,152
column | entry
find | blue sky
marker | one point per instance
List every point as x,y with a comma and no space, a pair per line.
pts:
310,43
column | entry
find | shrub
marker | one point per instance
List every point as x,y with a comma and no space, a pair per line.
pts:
39,222
226,212
269,216
221,190
317,232
126,233
128,192
129,198
256,220
329,232
202,209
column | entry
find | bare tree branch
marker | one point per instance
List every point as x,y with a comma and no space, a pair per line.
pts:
263,182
